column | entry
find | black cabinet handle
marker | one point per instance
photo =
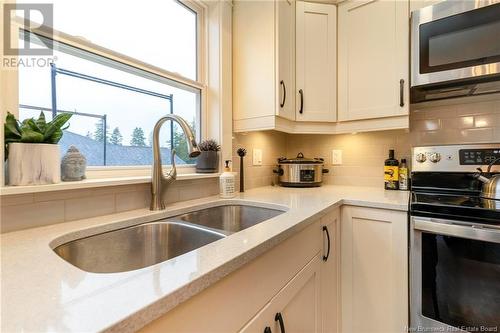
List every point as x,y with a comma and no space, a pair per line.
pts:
279,318
325,230
301,101
282,83
267,330
401,93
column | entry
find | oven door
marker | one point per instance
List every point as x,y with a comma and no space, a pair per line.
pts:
454,276
455,40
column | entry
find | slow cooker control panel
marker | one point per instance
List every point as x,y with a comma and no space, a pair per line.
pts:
306,175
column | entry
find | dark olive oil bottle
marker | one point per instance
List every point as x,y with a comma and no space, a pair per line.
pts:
391,172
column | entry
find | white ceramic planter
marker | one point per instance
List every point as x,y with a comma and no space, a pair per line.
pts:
34,164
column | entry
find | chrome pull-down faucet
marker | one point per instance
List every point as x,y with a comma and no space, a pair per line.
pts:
160,181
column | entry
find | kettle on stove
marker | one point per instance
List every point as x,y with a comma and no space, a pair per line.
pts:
491,186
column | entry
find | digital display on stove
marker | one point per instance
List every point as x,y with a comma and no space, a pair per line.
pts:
479,156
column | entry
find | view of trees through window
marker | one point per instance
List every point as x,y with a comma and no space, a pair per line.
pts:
113,123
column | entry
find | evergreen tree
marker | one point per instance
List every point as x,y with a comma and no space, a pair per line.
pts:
99,131
138,138
150,138
116,137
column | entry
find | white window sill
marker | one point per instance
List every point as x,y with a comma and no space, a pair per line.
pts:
89,183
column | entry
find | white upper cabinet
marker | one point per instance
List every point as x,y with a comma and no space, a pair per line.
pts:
316,59
285,57
263,63
373,59
310,67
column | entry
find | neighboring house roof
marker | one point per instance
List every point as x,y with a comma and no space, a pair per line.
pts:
115,154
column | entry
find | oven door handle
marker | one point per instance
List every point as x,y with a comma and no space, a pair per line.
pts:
448,228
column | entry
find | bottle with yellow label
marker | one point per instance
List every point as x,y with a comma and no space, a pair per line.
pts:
391,172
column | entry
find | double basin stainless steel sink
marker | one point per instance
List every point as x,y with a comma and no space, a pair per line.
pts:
151,243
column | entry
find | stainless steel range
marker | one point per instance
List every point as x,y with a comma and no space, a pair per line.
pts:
454,240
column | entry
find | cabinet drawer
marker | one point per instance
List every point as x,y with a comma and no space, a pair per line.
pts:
297,304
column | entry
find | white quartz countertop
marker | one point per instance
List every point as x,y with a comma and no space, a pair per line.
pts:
40,292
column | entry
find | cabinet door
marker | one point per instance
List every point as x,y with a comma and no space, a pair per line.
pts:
316,91
374,270
298,303
330,279
373,59
254,72
285,16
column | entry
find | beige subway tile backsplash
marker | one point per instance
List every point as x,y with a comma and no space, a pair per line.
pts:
472,135
273,145
28,215
132,200
459,123
363,158
364,153
17,199
80,208
62,195
32,210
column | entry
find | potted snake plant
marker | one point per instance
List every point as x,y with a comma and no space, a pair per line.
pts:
32,150
208,160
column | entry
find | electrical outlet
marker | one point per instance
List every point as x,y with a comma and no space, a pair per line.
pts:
336,157
257,157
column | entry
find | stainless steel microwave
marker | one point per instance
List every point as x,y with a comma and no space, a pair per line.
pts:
455,50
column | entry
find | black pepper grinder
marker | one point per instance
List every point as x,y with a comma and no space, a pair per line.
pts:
241,153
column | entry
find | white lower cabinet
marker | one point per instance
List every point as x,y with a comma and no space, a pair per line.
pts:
296,308
346,272
374,270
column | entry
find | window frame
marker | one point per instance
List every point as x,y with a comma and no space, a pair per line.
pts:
175,79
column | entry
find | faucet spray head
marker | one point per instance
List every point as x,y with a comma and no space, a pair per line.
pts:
194,151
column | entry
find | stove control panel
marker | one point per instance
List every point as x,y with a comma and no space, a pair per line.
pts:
479,156
455,158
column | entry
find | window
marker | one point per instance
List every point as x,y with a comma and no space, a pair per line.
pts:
116,103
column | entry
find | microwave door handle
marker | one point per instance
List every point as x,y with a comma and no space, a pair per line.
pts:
457,230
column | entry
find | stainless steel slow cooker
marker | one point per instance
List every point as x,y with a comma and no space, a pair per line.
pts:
300,171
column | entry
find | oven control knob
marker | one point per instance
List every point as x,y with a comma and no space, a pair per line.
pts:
421,157
435,157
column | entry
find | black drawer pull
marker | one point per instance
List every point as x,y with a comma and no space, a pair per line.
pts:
267,330
325,230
